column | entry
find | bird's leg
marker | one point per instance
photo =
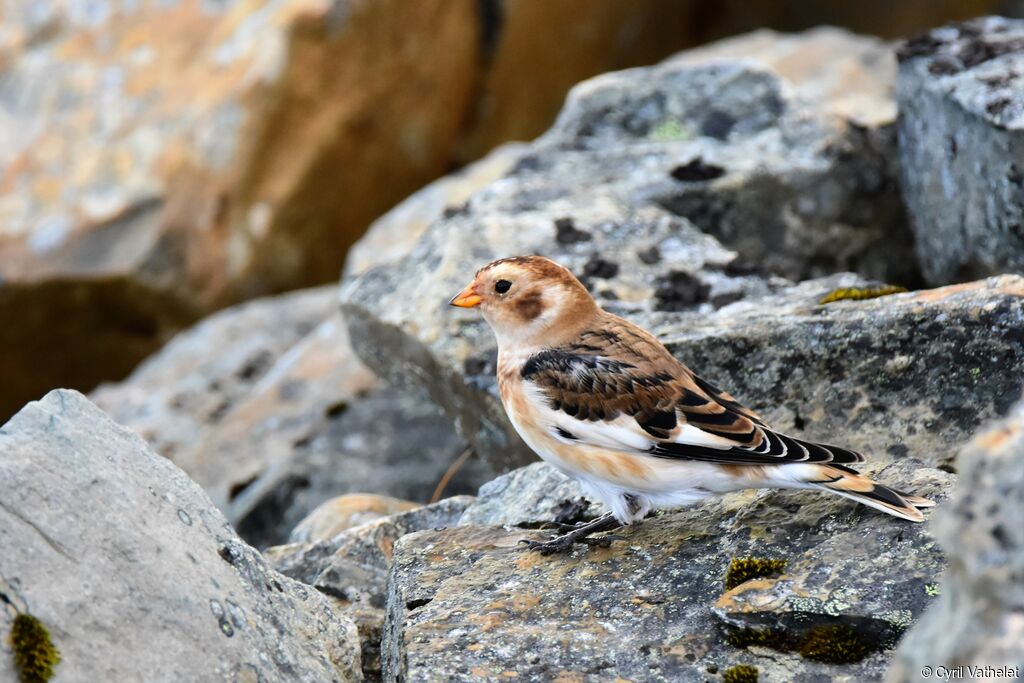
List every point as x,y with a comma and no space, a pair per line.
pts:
580,534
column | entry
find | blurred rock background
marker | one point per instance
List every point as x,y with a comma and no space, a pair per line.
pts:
160,160
183,181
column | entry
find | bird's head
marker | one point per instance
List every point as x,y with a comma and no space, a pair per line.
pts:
528,300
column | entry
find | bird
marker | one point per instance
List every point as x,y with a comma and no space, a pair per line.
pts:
605,402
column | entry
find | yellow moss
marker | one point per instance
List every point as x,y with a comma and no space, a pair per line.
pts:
860,293
34,653
745,637
744,673
834,644
745,568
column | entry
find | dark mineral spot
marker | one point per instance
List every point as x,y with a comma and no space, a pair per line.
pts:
918,45
416,604
718,125
944,65
697,171
566,232
999,81
599,267
453,211
996,107
335,409
650,256
726,298
255,366
679,291
229,553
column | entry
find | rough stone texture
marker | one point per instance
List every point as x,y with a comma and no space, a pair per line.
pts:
266,406
177,156
115,550
530,496
332,517
770,165
961,99
977,620
353,566
907,374
470,603
196,380
393,235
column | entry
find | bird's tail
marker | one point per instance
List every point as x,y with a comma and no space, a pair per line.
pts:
848,483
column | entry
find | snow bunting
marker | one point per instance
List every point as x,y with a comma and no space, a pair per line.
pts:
605,402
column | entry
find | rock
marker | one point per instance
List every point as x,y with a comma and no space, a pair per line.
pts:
393,235
169,159
112,549
266,406
202,374
353,566
530,496
332,517
906,374
961,144
471,602
536,50
173,159
617,190
976,621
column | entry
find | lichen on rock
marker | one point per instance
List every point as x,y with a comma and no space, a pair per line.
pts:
35,655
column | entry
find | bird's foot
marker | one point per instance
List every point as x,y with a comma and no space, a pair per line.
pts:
577,533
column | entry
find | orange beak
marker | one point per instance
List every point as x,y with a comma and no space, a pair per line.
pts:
467,298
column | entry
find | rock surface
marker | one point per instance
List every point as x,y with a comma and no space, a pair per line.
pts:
393,235
338,514
961,98
266,406
114,550
201,375
617,190
163,159
353,567
470,602
977,619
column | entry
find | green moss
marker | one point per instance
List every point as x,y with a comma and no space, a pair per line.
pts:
746,568
834,644
745,637
744,673
932,590
669,130
860,293
34,653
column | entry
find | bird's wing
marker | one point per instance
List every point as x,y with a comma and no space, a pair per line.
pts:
630,394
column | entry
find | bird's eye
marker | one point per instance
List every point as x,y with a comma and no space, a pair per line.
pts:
502,286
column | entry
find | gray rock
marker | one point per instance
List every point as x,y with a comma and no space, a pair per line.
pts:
266,406
903,378
530,496
907,375
977,620
194,382
469,602
135,573
619,190
961,99
353,567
